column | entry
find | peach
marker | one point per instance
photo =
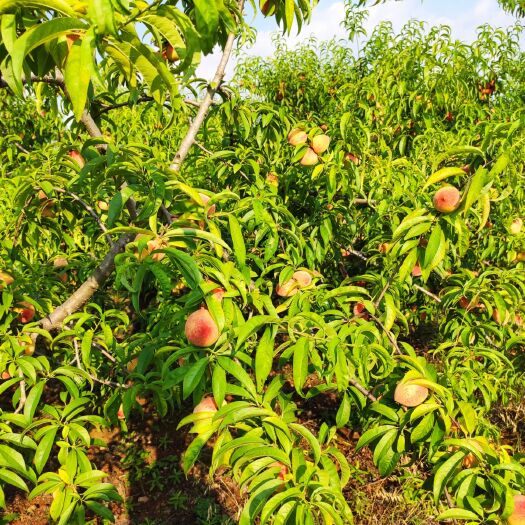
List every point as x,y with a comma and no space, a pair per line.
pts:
287,289
200,329
60,262
268,8
297,136
284,469
132,364
496,316
310,158
416,271
518,515
205,199
102,205
410,395
272,179
62,277
77,157
120,412
320,143
26,311
446,199
70,39
384,247
42,195
515,227
47,211
169,53
28,346
350,159
520,257
5,375
218,293
5,279
470,460
303,278
207,404
152,245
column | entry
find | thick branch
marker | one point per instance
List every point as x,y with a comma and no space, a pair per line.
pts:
82,295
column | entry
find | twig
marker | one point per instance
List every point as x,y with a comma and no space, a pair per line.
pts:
426,292
391,338
450,504
23,398
21,148
89,209
205,103
362,389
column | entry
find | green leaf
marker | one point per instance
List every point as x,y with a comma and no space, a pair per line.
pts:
101,510
77,73
264,357
372,434
310,438
62,6
442,174
251,326
101,12
44,449
218,382
300,363
38,35
445,472
33,399
193,377
458,514
187,266
474,189
207,22
239,249
239,373
435,250
13,479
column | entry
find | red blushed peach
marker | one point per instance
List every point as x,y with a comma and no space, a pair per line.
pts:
132,364
60,262
102,205
5,280
70,39
496,316
297,136
200,329
272,179
446,199
287,289
350,159
320,143
303,278
310,158
410,395
5,375
28,346
384,247
470,460
26,311
284,469
218,293
518,515
77,157
416,271
120,412
359,311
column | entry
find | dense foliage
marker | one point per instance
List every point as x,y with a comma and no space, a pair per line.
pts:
299,281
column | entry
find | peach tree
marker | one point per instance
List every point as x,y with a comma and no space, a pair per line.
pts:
179,242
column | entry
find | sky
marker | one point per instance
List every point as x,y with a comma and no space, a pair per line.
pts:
463,16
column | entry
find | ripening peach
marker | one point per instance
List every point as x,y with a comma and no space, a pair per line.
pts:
102,205
62,277
60,262
205,199
42,195
153,244
77,157
303,278
28,346
470,460
320,143
272,179
5,280
120,412
218,293
132,364
5,375
47,211
515,227
310,158
410,395
26,311
200,329
169,53
70,39
496,316
359,310
297,136
518,515
446,199
520,257
384,247
207,404
350,159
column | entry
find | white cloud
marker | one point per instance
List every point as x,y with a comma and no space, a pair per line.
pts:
463,17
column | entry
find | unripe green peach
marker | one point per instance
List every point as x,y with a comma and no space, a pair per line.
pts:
200,329
515,227
446,199
409,394
320,143
310,158
297,136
